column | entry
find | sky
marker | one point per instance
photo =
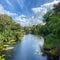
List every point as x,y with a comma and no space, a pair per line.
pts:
27,12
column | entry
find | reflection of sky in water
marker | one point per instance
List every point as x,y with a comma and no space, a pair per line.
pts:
38,44
28,48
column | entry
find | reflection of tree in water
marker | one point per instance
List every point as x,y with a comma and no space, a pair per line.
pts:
9,55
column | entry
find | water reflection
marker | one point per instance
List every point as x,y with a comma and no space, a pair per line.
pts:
29,49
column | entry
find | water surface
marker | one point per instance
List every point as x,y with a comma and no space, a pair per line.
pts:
28,49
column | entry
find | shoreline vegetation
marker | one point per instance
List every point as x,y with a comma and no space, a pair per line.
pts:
11,32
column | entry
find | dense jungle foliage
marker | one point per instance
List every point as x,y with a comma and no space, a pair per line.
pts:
10,32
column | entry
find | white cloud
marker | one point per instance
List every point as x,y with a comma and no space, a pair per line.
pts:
40,11
38,14
34,20
23,20
9,3
3,11
21,3
45,7
50,5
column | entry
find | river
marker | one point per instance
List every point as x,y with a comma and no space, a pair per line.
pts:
28,49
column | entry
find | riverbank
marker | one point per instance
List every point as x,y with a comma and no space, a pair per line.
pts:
52,53
7,46
10,33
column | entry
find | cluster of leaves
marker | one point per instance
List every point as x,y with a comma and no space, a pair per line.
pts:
51,30
35,29
9,30
53,27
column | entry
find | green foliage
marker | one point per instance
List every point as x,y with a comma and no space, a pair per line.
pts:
57,7
46,16
36,29
10,32
27,30
52,39
9,29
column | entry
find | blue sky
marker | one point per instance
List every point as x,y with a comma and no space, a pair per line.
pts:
22,6
26,12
